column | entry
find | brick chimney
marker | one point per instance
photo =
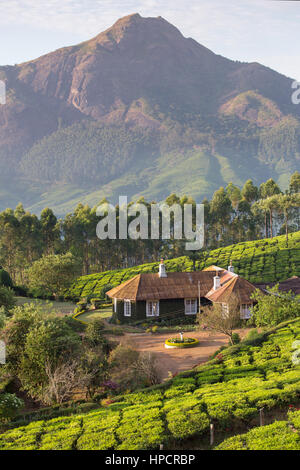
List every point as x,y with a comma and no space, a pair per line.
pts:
162,269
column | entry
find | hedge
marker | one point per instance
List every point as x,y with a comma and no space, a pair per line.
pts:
186,343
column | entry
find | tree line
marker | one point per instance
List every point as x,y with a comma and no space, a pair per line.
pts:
232,215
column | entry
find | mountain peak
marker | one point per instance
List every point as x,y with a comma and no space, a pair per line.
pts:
135,24
129,18
137,97
126,21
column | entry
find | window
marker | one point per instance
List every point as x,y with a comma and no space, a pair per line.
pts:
246,311
225,309
152,308
127,308
190,306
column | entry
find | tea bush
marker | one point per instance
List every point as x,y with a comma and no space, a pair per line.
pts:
249,377
281,435
259,261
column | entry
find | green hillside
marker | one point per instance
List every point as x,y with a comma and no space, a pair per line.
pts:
281,435
264,260
194,120
88,161
228,391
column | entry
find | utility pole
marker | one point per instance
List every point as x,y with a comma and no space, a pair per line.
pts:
199,297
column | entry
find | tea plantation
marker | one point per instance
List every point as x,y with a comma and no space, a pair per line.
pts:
281,435
228,391
258,261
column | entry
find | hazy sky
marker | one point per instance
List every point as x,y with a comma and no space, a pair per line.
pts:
249,30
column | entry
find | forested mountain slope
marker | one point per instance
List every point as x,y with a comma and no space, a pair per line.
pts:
141,110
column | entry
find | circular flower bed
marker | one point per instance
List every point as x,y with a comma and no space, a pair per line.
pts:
178,343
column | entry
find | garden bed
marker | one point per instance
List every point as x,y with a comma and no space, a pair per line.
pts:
181,343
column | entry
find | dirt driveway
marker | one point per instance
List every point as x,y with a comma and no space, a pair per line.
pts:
178,360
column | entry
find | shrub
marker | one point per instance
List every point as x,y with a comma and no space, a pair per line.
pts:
272,309
186,423
93,332
5,279
40,293
7,300
105,305
276,436
82,304
98,431
254,337
78,311
105,289
62,436
294,418
140,429
21,291
235,338
232,443
227,393
9,406
186,343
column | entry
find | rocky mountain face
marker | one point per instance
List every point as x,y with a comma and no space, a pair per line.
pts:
130,108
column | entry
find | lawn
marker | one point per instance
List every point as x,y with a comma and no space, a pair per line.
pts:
105,314
91,315
60,308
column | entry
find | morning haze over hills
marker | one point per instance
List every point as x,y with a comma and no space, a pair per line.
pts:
141,110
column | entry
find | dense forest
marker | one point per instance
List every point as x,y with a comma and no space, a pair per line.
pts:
84,152
184,153
232,215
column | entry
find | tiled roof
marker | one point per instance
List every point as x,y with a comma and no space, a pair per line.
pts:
177,285
237,286
213,268
126,290
293,284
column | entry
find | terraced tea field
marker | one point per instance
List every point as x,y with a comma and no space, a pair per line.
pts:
226,391
281,435
260,261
